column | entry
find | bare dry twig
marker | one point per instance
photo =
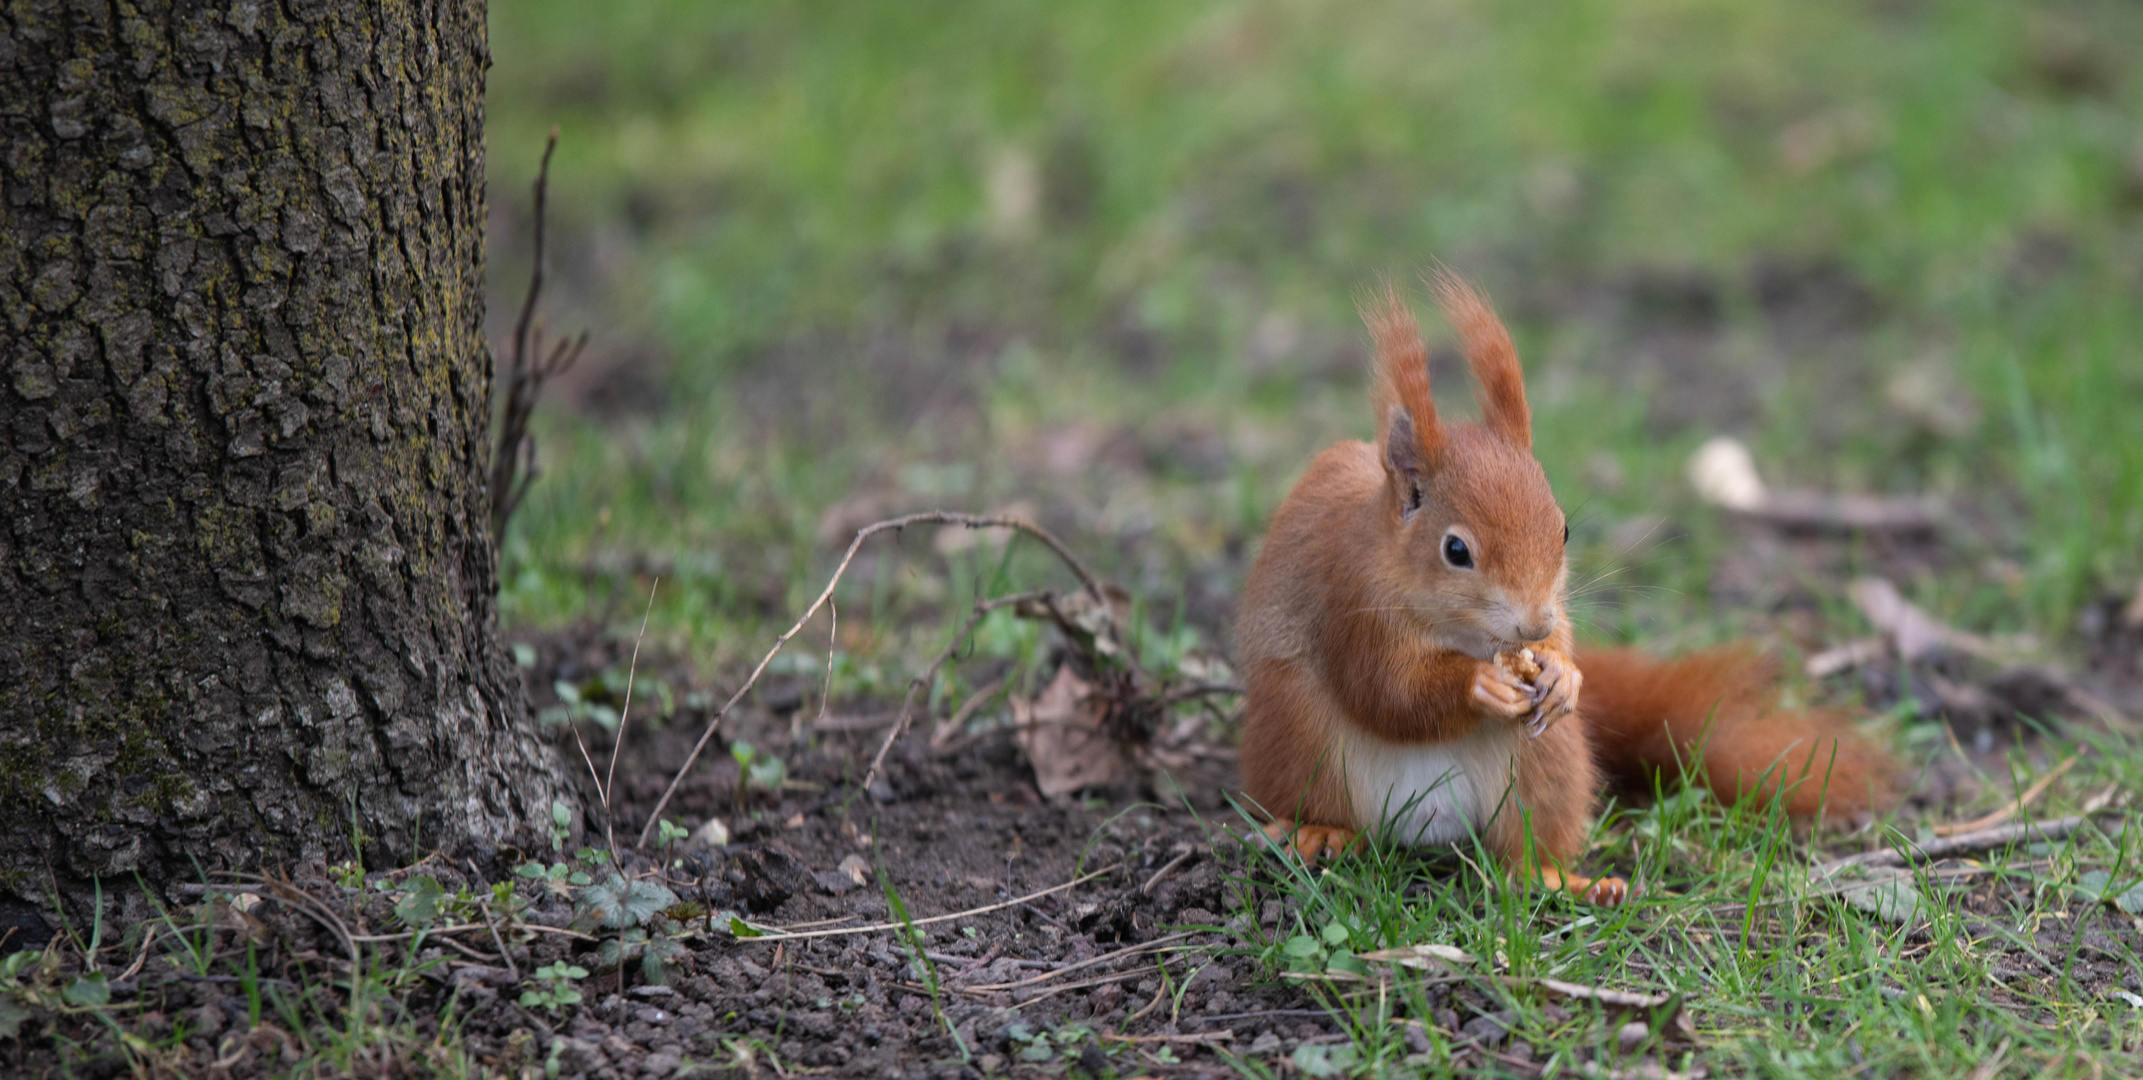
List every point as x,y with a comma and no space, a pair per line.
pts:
2009,809
950,727
875,928
922,678
929,517
513,461
1107,957
1183,855
610,782
1966,843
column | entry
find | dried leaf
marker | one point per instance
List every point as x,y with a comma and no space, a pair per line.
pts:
1094,620
1062,734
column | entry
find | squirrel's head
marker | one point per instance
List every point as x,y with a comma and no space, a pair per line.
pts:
1480,539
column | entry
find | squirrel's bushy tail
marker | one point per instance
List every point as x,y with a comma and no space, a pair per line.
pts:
1716,713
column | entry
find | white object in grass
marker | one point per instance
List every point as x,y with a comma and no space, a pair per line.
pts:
1724,473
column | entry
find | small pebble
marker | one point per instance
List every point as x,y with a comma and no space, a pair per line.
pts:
1491,1028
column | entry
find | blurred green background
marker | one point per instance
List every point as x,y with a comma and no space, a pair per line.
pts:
1099,262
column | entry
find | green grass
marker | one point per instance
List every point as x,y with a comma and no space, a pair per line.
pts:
895,256
800,197
1781,975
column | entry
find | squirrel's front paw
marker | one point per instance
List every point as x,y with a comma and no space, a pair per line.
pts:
1555,691
1499,694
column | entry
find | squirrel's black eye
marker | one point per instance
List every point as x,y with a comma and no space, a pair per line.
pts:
1456,552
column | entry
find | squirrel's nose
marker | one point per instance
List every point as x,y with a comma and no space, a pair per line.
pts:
1538,629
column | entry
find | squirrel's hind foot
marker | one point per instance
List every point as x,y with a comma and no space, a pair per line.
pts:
1312,841
1599,892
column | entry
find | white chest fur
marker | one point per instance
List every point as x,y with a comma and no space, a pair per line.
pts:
1429,793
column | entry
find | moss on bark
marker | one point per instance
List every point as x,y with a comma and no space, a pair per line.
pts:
245,575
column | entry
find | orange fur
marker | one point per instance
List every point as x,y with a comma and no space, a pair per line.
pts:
1646,716
1367,653
1402,393
1490,354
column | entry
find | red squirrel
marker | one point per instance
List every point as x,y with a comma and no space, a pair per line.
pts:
1408,658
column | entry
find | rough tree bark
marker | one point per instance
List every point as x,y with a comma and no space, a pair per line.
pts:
248,598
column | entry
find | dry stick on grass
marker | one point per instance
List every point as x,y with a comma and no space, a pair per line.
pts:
922,678
513,461
2006,812
931,517
1969,843
1202,1038
875,928
602,789
1940,873
141,959
512,968
610,783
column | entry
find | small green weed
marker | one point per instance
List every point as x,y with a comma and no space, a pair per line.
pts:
761,772
554,987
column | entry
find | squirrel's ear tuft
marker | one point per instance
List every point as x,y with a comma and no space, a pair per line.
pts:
1408,434
1490,354
1404,462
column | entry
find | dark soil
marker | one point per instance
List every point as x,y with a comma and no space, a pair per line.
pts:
1066,983
947,831
944,832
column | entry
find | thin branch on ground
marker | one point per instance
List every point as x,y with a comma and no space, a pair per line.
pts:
463,928
610,784
1160,994
2008,811
1200,1038
879,928
960,716
1182,856
492,925
931,517
1945,874
513,460
1115,954
922,678
1052,991
1968,843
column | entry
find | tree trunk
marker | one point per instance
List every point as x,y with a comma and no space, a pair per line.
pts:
248,604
